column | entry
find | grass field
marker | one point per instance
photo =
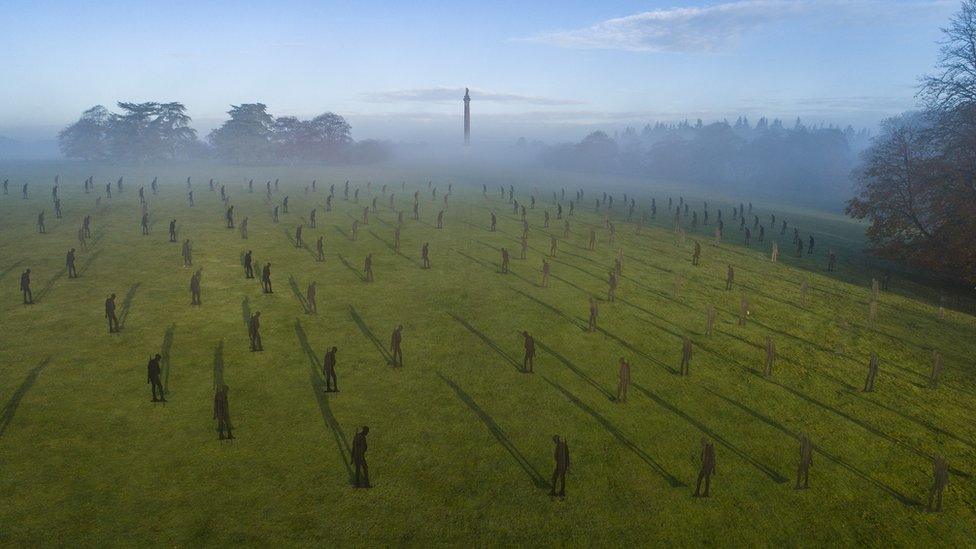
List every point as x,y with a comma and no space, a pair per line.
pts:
460,446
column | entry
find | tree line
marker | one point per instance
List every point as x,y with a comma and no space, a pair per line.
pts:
916,185
152,131
765,158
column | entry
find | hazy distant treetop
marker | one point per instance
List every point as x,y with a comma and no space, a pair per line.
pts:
955,83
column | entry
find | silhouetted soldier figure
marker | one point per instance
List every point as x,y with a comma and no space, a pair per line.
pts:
254,332
311,218
57,208
365,215
187,254
319,250
743,310
312,305
505,260
872,373
189,198
806,460
396,239
686,349
6,182
69,261
113,321
416,211
936,369
770,357
810,246
729,277
561,456
355,229
799,247
709,320
612,287
243,229
274,214
298,236
552,245
494,221
248,267
221,413
594,312
40,222
266,278
359,457
25,288
425,255
440,219
545,273
592,244
172,230
329,371
523,245
284,202
748,236
195,287
395,346
230,217
696,255
618,267
368,267
623,380
707,467
86,225
23,191
154,371
940,479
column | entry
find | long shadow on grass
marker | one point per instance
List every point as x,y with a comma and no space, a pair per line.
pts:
164,354
498,433
127,303
491,267
342,232
577,370
552,308
839,461
218,365
293,284
369,334
10,408
12,266
49,284
393,249
768,471
610,428
488,341
349,266
88,262
318,389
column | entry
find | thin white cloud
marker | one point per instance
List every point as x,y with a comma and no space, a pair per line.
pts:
447,94
721,26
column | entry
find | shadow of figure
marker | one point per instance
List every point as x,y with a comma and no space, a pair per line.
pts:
342,232
768,471
218,365
298,293
576,370
164,354
349,266
318,389
496,431
610,428
580,325
369,334
783,429
489,342
49,284
10,408
13,266
127,303
88,261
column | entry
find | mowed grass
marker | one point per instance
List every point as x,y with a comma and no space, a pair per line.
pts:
460,445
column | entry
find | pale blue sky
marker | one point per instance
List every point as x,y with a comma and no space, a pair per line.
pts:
535,68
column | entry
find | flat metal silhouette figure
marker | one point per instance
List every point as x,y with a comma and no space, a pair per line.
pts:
561,457
686,351
25,289
113,321
40,223
504,261
254,332
806,461
320,249
153,378
244,229
940,479
230,217
707,468
528,359
696,255
743,310
359,457
729,278
69,261
523,245
248,265
396,341
494,221
187,254
172,230
221,413
545,273
368,267
298,236
612,287
594,313
266,279
195,287
623,380
425,255
329,370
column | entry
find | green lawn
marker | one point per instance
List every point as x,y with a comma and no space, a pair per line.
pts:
460,446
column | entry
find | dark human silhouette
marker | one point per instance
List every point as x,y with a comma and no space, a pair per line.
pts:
69,261
40,223
195,287
359,457
710,320
594,312
329,370
612,287
266,279
425,255
243,228
145,223
395,346
248,266
623,380
872,373
298,236
25,282
113,321
729,278
545,273
528,359
172,230
221,413
494,221
320,249
230,217
696,255
561,457
707,467
940,479
686,350
187,254
504,260
806,460
154,371
368,267
254,332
